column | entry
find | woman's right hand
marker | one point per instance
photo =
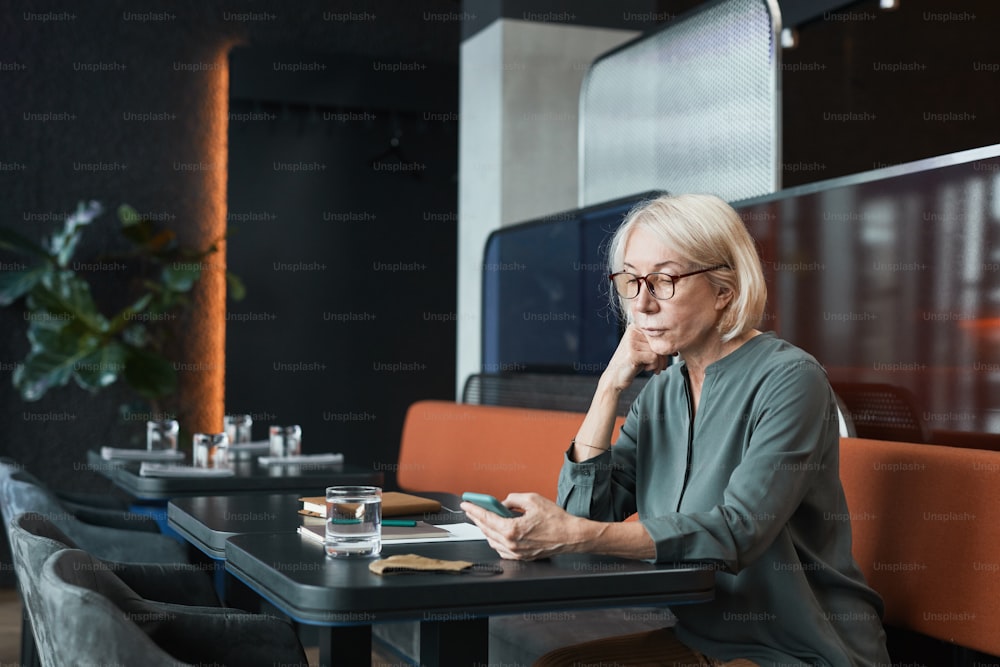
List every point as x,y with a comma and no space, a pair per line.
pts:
632,356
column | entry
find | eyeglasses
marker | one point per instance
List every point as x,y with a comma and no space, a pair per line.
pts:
660,285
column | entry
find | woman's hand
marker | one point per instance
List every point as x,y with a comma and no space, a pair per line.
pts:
543,529
632,356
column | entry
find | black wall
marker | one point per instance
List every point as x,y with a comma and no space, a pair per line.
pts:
342,208
89,63
867,88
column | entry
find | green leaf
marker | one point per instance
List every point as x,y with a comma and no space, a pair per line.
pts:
131,313
237,290
181,276
128,215
52,359
66,295
11,240
149,374
63,244
101,367
136,336
15,284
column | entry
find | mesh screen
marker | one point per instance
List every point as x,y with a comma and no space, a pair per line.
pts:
691,108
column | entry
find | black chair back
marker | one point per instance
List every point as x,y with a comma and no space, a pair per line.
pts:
542,391
882,411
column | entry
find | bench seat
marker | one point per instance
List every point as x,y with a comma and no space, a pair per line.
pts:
926,528
925,519
457,447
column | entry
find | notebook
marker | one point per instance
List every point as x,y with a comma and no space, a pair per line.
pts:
422,531
394,503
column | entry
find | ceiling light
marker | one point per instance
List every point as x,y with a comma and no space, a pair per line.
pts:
789,38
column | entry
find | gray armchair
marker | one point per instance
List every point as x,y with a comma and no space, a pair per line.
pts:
33,539
159,554
96,619
94,508
18,497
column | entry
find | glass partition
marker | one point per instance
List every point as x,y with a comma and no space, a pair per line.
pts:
891,278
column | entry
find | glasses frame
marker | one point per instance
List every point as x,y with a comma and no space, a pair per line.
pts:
649,286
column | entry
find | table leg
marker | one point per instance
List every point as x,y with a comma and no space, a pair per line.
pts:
347,646
447,643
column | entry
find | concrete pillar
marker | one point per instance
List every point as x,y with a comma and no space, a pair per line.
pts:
518,104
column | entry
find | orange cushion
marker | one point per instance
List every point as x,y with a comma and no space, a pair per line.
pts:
458,447
926,529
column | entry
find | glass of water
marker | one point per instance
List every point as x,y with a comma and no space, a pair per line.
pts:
161,434
353,521
239,428
285,440
210,450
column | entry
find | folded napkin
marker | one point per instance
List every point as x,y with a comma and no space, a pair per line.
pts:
305,458
109,453
403,563
166,470
414,564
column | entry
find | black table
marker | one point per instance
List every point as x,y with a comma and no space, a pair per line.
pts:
344,599
250,477
208,521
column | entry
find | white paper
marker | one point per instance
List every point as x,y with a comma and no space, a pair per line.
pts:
305,458
109,453
460,532
166,470
259,446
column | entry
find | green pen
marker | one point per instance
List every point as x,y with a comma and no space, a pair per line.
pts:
385,522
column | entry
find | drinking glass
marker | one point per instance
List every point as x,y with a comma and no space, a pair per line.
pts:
238,428
286,440
353,521
161,434
211,450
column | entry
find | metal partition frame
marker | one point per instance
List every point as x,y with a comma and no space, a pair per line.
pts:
693,107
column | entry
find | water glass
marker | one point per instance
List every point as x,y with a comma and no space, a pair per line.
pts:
286,440
211,450
353,521
161,434
238,428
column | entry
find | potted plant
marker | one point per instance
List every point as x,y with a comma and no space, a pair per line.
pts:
72,336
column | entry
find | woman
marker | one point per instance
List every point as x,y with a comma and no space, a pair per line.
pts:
729,456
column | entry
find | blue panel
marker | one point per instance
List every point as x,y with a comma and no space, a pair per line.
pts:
545,293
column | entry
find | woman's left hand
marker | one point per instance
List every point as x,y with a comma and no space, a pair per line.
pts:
543,529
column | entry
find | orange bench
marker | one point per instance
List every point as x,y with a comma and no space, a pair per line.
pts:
457,447
925,518
926,527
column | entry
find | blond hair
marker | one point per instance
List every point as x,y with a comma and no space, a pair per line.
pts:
704,231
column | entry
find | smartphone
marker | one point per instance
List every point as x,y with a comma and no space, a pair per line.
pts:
487,501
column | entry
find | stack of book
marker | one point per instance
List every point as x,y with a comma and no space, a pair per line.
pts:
394,504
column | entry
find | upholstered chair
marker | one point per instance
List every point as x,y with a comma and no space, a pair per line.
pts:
34,538
97,619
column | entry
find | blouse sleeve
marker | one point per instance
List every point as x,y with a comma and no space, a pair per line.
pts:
602,488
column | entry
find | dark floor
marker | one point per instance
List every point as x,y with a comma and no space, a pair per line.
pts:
10,626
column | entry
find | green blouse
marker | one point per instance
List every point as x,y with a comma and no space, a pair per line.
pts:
752,484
